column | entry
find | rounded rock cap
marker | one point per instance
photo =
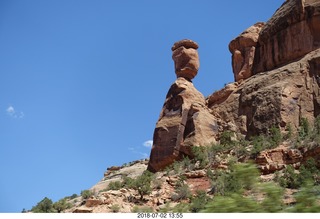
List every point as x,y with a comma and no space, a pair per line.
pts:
185,43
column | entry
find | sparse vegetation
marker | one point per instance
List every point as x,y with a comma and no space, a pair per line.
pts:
115,208
236,187
86,194
143,184
199,201
44,206
115,185
61,205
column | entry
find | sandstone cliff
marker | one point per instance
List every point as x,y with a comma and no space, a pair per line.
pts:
276,67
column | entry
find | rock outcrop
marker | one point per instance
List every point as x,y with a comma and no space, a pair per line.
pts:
272,95
276,68
185,120
292,32
243,50
274,98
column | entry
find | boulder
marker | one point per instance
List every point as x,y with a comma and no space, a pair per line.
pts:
83,209
186,58
93,202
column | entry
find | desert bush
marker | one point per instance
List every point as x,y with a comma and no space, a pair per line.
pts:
86,194
307,199
142,183
304,129
115,208
275,136
115,185
273,194
61,205
289,179
182,192
201,155
259,143
199,201
73,196
157,183
289,133
238,177
234,203
127,182
226,139
44,206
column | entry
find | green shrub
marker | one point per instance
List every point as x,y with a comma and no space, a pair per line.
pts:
201,155
142,183
115,185
44,206
115,208
260,143
177,167
307,199
199,201
73,196
61,205
181,208
240,176
182,192
127,182
86,194
226,139
290,179
304,129
289,133
235,203
272,201
157,183
275,136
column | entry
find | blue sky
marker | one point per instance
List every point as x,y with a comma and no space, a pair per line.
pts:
82,83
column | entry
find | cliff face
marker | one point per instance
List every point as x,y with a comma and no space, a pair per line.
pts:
277,72
292,32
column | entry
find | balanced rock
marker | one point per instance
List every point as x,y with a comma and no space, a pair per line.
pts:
186,58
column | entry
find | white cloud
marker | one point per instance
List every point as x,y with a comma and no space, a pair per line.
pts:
148,143
14,113
10,110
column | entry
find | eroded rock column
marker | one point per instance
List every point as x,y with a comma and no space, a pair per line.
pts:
185,120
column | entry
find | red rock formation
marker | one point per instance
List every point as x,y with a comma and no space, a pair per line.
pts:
184,121
243,49
276,67
186,58
292,32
